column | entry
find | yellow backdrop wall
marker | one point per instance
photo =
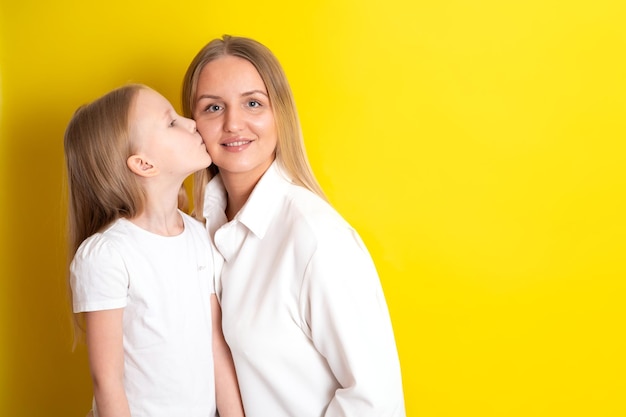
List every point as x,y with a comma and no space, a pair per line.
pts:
477,146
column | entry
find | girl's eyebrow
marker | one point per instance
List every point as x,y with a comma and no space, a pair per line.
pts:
166,115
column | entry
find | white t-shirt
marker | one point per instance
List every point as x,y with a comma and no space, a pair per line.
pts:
164,285
303,310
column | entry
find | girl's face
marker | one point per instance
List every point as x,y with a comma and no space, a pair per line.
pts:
167,140
235,118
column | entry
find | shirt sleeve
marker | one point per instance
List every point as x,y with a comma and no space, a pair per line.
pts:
350,326
98,276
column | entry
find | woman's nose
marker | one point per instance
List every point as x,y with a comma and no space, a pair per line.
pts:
233,120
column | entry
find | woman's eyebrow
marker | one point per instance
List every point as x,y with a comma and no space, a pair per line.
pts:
244,94
249,93
211,96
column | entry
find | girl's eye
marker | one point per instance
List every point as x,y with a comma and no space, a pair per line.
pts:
172,123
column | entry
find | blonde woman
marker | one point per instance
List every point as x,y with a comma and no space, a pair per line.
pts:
303,309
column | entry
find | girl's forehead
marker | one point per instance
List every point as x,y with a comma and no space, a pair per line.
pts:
150,104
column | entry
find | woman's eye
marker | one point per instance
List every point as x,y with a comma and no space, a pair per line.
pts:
254,103
172,123
213,108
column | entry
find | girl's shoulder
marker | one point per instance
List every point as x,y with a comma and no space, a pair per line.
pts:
105,243
189,220
194,227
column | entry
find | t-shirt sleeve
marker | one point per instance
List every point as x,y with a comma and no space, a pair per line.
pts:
98,276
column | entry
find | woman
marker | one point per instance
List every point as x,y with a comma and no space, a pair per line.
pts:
303,310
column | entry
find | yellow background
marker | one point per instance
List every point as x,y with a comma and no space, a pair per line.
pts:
477,146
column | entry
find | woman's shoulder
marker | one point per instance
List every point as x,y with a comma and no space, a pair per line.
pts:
310,210
316,225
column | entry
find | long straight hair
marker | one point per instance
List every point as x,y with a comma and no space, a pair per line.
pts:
101,188
290,149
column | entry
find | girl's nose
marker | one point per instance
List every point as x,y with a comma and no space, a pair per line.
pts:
192,125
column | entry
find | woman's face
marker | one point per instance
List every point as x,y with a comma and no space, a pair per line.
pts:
235,118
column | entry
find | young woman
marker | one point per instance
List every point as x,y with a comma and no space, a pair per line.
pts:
142,271
303,309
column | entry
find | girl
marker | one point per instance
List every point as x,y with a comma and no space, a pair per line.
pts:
304,312
142,271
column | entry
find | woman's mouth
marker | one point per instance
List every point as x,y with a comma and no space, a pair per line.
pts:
237,143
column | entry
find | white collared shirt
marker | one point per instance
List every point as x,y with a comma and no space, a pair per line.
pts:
303,309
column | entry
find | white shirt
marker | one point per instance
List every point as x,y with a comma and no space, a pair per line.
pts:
164,285
302,306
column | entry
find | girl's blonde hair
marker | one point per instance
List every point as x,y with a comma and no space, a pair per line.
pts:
101,188
290,150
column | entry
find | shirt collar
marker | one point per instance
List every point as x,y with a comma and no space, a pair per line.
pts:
258,211
215,200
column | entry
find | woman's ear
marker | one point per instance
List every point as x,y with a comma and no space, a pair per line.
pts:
141,166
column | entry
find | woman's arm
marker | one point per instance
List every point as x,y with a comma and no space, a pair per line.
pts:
227,394
106,361
350,325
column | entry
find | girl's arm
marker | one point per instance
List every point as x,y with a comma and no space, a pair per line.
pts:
227,394
106,361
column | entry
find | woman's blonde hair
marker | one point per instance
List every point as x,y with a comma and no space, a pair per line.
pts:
101,188
290,150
